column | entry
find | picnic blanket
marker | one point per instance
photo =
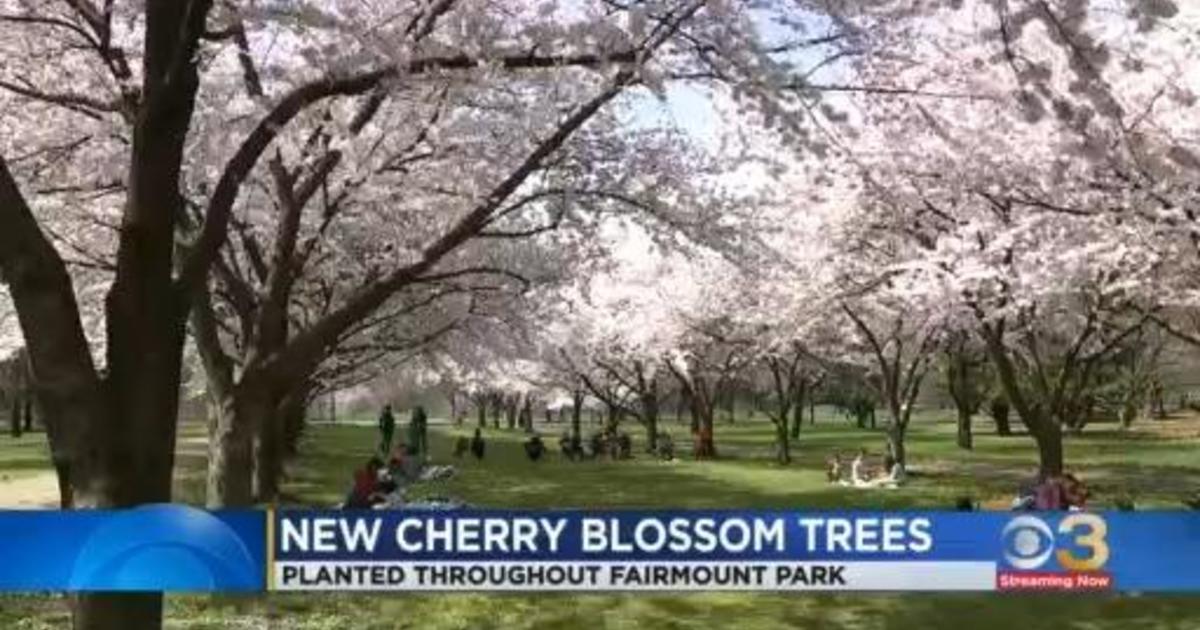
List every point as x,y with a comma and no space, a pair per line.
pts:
438,473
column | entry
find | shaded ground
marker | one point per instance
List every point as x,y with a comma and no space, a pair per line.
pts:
1155,462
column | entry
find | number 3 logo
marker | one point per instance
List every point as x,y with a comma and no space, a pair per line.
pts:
1092,539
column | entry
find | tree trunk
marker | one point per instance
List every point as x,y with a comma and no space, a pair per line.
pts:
481,410
965,439
798,412
29,406
16,416
705,441
577,419
782,447
527,414
613,418
1050,449
230,454
895,442
1000,411
650,402
268,446
293,412
117,611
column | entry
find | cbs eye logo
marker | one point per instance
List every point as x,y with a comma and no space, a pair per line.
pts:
1029,542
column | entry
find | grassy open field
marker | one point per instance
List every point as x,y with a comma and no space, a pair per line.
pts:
1155,463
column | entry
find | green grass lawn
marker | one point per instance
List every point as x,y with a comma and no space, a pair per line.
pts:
1155,463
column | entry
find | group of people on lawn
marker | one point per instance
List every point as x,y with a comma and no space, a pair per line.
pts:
382,479
863,475
1045,492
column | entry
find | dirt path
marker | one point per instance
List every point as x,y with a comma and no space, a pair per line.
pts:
26,492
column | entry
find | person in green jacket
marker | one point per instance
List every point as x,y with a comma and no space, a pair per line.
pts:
418,441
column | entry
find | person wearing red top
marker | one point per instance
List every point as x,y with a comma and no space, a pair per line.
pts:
366,482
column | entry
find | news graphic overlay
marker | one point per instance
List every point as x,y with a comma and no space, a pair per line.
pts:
149,548
179,548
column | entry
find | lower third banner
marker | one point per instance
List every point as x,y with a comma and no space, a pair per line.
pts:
179,548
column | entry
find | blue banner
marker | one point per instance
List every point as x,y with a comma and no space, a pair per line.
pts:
179,548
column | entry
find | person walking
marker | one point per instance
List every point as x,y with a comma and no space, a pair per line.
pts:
418,433
387,428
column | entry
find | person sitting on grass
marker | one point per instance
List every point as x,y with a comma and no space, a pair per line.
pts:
859,473
366,491
1050,494
534,447
1075,493
401,465
477,445
461,446
833,471
565,445
665,447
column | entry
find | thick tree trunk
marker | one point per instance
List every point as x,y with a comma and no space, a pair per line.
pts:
117,611
293,412
1050,449
965,439
230,454
481,411
268,445
1000,411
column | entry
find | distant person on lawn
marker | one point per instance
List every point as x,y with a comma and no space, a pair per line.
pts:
534,448
418,434
858,468
477,445
833,473
462,444
387,428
